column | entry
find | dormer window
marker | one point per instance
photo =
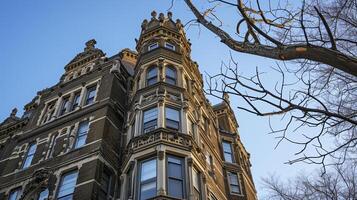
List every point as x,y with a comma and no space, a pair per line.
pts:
171,75
151,76
153,46
170,46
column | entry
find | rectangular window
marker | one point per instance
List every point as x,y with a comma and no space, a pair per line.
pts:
172,117
169,46
82,134
150,120
76,102
147,179
15,194
29,155
105,184
227,151
234,183
175,176
153,46
67,186
196,184
91,91
64,106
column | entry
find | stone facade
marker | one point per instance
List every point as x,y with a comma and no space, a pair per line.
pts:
130,126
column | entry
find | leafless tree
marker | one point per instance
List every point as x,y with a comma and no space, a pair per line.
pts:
338,183
316,94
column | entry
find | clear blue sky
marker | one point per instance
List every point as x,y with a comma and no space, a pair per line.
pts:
38,38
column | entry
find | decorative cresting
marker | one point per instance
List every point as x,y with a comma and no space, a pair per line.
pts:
90,54
39,181
161,135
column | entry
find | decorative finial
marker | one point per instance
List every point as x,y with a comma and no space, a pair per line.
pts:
153,14
161,17
90,44
13,112
169,15
144,24
226,97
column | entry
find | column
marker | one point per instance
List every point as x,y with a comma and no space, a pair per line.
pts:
190,179
161,168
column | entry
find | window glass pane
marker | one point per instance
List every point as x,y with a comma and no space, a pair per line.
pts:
195,178
32,149
175,188
226,147
172,114
148,170
150,115
43,195
75,101
171,72
170,46
153,46
148,190
152,72
83,127
15,194
68,184
81,141
233,179
175,171
235,188
228,157
90,95
29,155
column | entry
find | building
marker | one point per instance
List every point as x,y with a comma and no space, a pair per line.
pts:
130,126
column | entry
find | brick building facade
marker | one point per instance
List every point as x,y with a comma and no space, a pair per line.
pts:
135,125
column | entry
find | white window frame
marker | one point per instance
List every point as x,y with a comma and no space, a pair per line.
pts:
170,46
231,151
153,46
238,181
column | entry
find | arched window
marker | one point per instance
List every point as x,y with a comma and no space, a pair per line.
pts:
151,76
171,75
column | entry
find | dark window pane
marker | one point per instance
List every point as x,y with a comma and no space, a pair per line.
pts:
175,188
75,103
170,75
148,190
90,95
150,120
29,155
15,194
